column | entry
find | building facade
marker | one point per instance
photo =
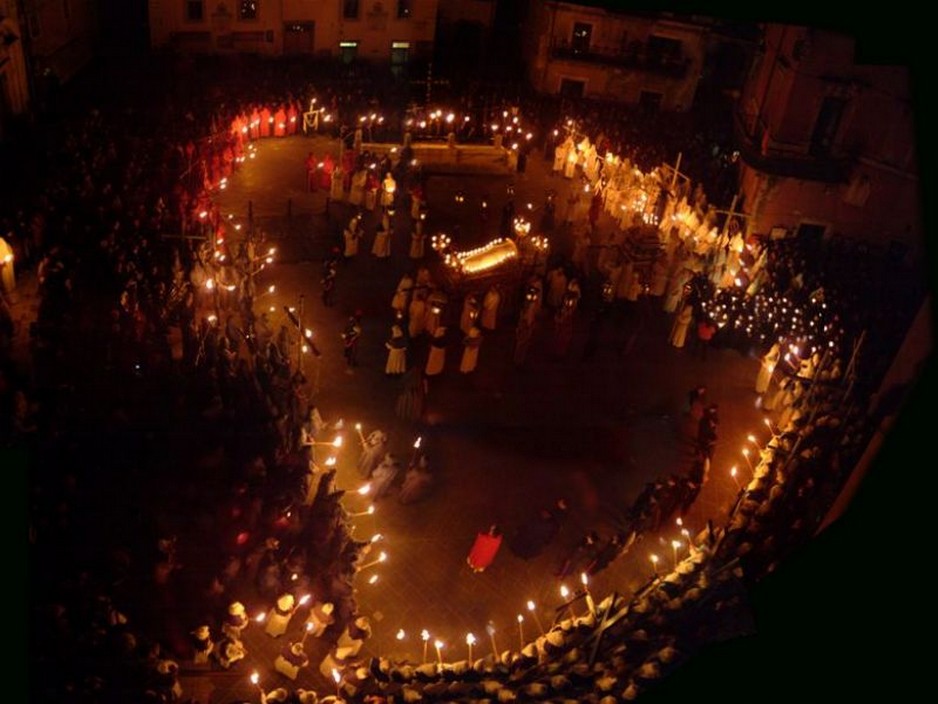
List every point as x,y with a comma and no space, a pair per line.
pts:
14,78
582,51
61,36
827,145
370,30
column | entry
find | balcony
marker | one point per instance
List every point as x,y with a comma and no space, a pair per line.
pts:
749,132
635,57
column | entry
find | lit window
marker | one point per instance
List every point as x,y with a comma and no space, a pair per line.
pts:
195,10
404,8
247,10
348,52
350,9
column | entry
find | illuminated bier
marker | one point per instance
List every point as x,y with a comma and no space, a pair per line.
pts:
483,260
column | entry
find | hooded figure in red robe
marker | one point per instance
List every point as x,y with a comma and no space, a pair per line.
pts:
280,123
266,121
484,549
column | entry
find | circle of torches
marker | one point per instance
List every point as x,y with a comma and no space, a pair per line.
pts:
762,317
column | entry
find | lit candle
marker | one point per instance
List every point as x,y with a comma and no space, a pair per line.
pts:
565,595
361,436
533,609
470,639
425,637
490,629
590,604
675,544
338,680
521,632
735,480
400,634
438,644
309,627
748,461
654,562
255,680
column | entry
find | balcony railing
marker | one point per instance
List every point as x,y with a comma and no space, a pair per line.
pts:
635,56
750,133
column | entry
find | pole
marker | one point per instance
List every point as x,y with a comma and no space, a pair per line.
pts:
729,216
677,167
299,330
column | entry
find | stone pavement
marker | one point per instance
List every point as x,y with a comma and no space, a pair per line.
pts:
502,442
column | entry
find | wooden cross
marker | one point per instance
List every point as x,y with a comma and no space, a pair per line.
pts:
428,83
730,214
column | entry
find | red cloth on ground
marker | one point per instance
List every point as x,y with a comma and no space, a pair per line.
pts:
484,550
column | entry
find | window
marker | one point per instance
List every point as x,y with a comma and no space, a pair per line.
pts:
247,10
404,9
663,50
195,10
582,33
400,52
825,127
348,52
350,9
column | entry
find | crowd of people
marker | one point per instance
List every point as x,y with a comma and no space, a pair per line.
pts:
147,324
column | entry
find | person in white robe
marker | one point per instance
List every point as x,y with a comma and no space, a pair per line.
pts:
397,353
470,354
490,303
681,323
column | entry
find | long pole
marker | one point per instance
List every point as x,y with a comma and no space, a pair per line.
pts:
299,330
677,167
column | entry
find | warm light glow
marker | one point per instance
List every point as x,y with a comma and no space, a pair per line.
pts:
260,617
470,639
371,509
337,442
564,592
425,635
364,489
382,557
255,678
653,558
210,284
400,634
733,472
751,438
584,579
336,676
376,537
438,644
675,544
330,461
520,618
305,598
530,605
372,579
417,443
